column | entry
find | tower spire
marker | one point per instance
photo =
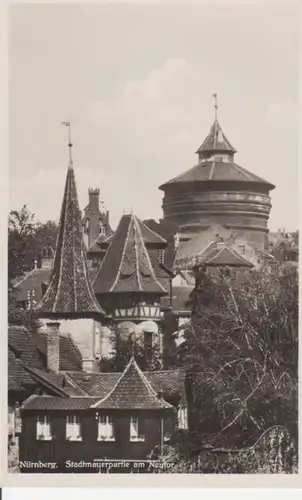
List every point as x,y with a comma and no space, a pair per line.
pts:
68,125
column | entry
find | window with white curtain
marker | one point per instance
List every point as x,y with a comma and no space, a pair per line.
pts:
134,434
44,427
73,428
182,415
105,428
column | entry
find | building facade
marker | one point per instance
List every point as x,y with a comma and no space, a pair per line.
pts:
108,417
69,303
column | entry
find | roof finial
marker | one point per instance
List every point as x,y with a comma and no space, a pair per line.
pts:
67,124
215,105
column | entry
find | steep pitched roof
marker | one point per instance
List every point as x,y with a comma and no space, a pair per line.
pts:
58,403
207,248
28,349
150,237
132,391
216,141
69,290
101,244
127,266
226,256
170,382
34,279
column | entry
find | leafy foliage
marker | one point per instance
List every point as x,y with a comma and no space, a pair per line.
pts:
241,357
124,348
26,240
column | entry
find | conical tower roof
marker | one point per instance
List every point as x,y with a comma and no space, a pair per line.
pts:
132,391
213,168
216,141
127,266
69,291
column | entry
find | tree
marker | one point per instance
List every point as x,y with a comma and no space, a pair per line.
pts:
26,240
21,229
241,357
125,347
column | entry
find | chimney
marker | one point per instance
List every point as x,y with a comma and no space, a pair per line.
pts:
94,195
53,346
88,365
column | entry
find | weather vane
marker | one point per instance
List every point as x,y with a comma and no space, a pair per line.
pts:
67,124
215,105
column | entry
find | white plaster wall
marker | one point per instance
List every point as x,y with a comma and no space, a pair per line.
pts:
81,330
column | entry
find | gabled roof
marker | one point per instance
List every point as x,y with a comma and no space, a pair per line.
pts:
28,349
226,256
216,141
36,402
127,266
150,237
132,391
101,244
34,279
170,382
215,247
69,290
84,390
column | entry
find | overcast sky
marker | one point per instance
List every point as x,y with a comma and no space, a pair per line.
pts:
137,84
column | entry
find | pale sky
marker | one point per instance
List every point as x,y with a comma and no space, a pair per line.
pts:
137,84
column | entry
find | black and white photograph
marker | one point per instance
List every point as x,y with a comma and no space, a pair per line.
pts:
153,240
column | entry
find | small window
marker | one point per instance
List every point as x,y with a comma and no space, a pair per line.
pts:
105,428
73,428
102,229
148,341
134,434
182,416
44,428
242,249
161,256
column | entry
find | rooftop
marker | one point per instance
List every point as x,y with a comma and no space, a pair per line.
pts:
127,266
69,290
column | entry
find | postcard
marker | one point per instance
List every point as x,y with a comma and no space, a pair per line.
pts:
153,244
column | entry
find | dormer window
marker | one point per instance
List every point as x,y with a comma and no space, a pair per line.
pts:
242,249
161,256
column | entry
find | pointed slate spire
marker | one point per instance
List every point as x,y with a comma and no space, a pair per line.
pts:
215,142
127,266
132,391
69,291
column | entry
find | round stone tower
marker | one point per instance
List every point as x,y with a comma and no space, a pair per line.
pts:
217,191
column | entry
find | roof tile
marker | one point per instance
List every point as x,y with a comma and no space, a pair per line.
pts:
69,290
132,391
127,266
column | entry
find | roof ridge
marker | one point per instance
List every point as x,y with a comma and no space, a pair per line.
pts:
122,257
116,384
152,231
26,275
145,381
149,261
